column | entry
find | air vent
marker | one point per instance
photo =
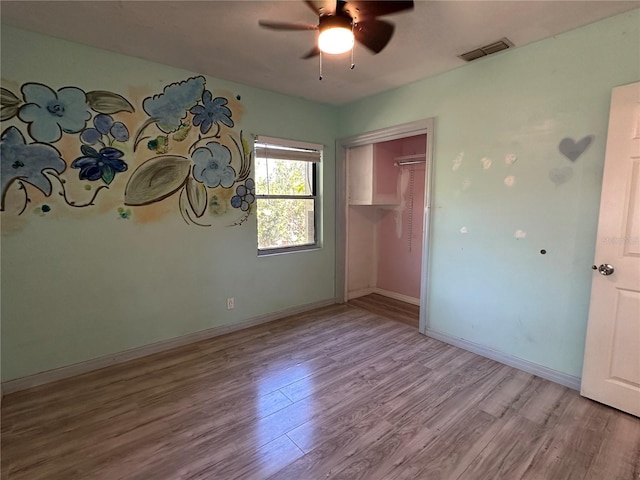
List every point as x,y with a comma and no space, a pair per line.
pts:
494,47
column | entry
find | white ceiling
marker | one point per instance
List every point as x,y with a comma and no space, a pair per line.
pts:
222,38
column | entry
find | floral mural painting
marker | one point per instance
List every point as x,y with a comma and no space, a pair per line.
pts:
49,113
212,111
167,110
25,163
179,142
212,165
101,165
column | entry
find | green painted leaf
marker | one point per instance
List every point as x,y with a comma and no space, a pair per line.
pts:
156,179
108,174
7,112
245,146
88,151
108,102
8,99
197,196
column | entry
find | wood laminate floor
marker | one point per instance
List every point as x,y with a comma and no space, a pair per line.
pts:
389,308
337,393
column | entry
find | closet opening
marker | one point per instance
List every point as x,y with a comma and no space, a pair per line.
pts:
384,181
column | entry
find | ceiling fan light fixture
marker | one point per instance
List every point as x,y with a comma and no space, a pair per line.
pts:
336,35
336,40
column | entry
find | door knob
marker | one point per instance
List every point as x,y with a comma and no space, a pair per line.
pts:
604,269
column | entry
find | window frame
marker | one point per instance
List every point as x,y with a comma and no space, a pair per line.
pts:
292,147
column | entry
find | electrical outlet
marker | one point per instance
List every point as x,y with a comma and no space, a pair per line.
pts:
230,303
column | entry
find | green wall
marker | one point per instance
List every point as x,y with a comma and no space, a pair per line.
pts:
80,285
487,286
76,287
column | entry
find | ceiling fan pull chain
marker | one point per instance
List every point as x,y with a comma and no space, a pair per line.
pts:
353,63
320,65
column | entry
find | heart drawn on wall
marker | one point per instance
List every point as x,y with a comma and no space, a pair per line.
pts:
560,175
572,149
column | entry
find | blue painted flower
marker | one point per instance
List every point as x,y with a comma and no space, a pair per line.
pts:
26,162
169,108
212,111
50,113
90,136
96,165
119,132
213,166
104,125
245,195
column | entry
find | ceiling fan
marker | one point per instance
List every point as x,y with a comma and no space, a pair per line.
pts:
341,23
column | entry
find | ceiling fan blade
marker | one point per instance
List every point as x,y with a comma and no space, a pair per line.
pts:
374,34
314,52
324,7
286,25
363,10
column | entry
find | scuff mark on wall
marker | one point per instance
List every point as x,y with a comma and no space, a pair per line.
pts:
486,163
457,161
510,181
520,234
510,159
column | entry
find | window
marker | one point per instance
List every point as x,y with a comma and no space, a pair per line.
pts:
286,194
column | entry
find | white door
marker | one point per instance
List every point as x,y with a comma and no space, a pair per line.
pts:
611,372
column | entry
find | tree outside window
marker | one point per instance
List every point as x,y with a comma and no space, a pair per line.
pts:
286,198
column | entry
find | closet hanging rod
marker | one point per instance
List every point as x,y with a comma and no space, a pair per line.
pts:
410,159
408,162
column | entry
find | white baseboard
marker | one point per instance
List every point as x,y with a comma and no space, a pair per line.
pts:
397,296
515,362
49,376
384,293
359,293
